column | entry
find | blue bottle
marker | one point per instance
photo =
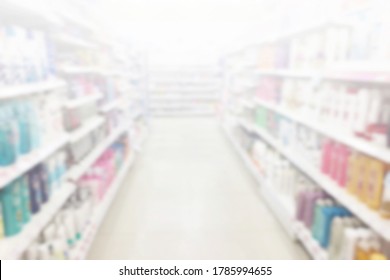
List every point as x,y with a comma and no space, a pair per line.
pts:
25,199
12,210
43,178
24,127
8,137
34,191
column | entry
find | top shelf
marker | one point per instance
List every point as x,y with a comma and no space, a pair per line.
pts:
370,76
17,91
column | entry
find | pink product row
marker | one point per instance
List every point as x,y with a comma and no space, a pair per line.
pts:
64,233
102,173
364,38
360,110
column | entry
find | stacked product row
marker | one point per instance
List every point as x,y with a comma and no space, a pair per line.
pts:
362,176
25,196
364,38
329,223
26,125
24,56
336,230
357,109
68,227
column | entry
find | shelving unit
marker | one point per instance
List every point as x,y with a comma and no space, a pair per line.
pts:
78,102
368,216
18,91
333,132
310,244
282,208
85,129
178,92
71,36
269,83
81,249
85,164
8,174
13,247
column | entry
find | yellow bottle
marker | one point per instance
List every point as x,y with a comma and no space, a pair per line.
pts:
372,194
378,257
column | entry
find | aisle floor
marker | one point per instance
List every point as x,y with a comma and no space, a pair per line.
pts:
189,196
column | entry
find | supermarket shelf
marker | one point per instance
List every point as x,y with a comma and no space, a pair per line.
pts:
117,103
309,243
74,42
363,212
78,102
25,163
13,247
183,98
354,76
85,129
336,134
33,14
30,88
280,206
81,250
81,168
188,113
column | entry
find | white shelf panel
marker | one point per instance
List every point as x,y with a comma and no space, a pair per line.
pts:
280,206
346,75
85,129
74,42
25,163
84,165
13,247
311,245
81,250
117,103
360,210
78,102
30,89
334,133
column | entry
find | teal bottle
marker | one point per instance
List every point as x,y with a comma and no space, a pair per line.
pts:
12,210
8,137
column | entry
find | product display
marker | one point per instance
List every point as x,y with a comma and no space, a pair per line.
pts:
65,122
315,124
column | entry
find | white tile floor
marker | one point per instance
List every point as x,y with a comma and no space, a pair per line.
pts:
189,196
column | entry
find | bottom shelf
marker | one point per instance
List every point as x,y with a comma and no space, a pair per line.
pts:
309,243
13,247
81,250
282,208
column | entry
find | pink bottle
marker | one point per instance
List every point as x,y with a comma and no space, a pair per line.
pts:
327,150
343,165
334,161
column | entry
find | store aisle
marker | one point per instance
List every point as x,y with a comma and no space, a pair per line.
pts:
189,196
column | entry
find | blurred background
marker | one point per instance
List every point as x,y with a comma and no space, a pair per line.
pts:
169,129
